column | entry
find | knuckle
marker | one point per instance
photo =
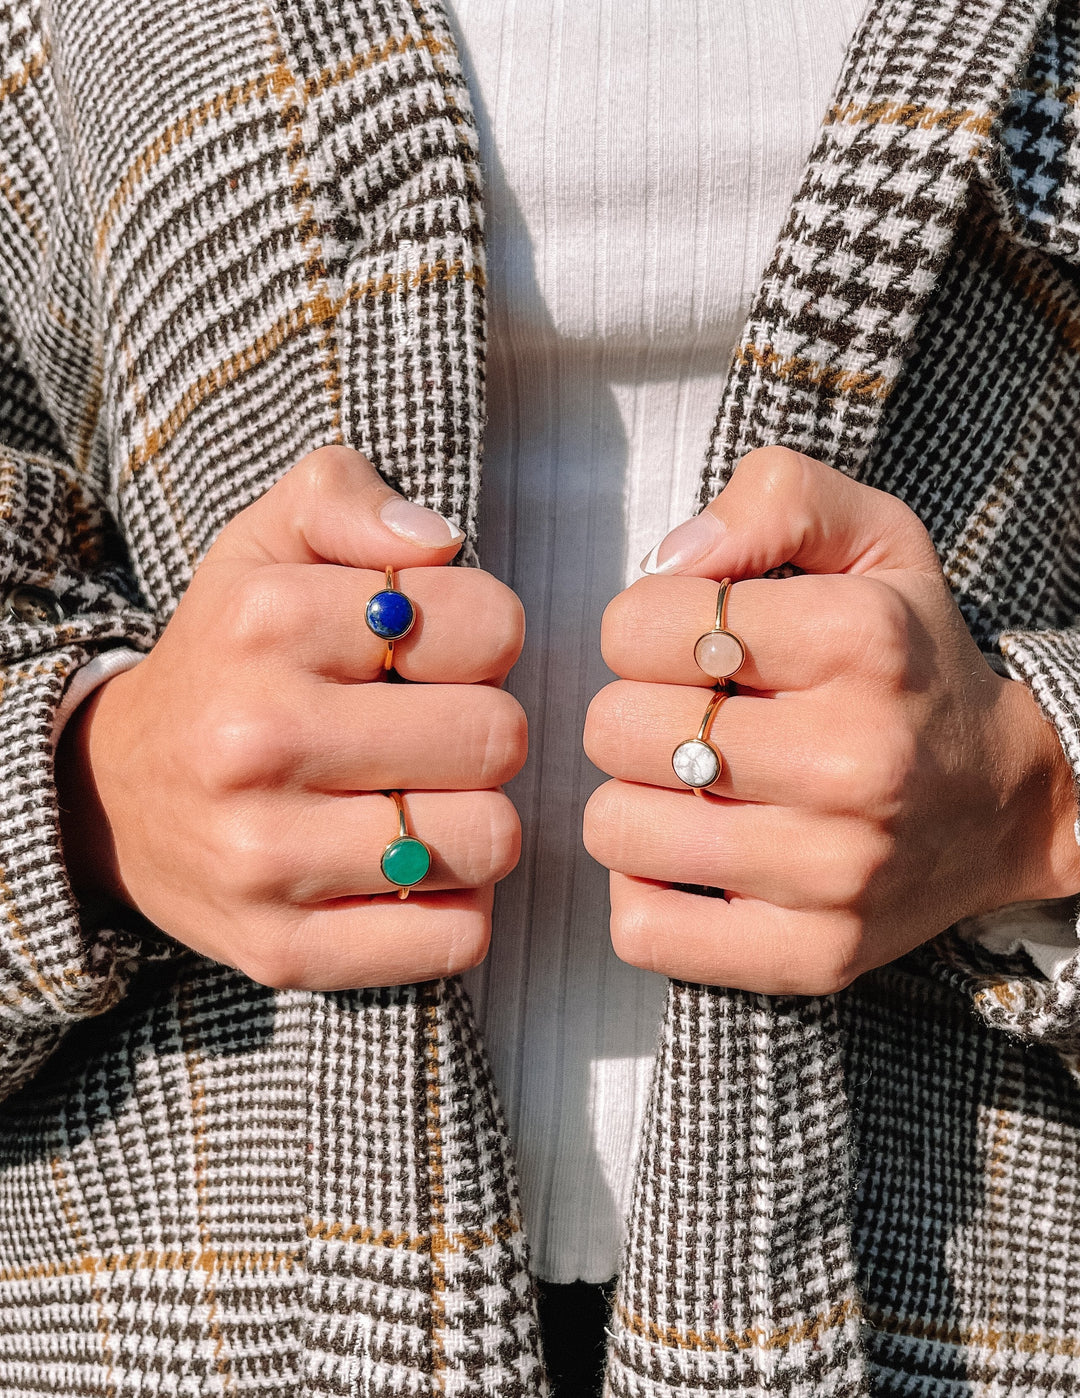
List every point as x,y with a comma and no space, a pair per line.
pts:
604,825
322,473
602,720
846,877
907,524
467,942
258,610
888,773
856,872
253,861
882,642
633,938
775,471
487,837
510,637
244,747
871,782
611,627
621,624
836,961
501,836
504,619
276,966
503,736
841,779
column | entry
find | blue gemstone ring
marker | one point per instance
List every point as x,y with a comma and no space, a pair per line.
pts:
389,615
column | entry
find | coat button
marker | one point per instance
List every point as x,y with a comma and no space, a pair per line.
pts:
32,605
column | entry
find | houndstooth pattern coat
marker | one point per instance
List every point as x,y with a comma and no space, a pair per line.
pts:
233,231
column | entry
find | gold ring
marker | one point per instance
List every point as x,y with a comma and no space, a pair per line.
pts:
405,860
696,763
389,615
719,652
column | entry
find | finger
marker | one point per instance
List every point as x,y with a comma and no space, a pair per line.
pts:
334,507
738,942
375,737
784,856
782,507
797,633
377,941
332,849
792,751
469,626
327,850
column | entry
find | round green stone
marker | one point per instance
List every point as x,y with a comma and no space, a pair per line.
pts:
405,861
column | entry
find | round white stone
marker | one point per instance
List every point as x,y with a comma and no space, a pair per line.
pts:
719,653
696,763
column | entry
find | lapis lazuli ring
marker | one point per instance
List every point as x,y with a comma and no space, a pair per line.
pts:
720,653
696,762
405,860
390,615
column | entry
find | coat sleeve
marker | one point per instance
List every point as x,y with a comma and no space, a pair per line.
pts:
66,598
1022,964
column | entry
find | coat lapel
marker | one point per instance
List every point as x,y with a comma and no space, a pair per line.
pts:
1035,175
286,236
284,224
870,229
740,1275
417,1275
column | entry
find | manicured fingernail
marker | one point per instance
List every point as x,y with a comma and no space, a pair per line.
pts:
418,525
684,545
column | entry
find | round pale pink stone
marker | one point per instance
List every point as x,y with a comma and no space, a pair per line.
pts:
719,653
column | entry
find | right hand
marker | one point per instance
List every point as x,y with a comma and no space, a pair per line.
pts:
230,786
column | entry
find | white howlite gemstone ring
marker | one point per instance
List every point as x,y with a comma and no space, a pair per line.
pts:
696,762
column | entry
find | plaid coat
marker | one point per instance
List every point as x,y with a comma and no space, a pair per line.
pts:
232,231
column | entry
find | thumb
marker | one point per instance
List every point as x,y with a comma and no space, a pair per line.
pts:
782,507
334,507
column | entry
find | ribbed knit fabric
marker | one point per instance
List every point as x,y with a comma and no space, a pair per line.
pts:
640,157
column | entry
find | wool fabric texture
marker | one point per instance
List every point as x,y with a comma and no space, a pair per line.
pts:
232,233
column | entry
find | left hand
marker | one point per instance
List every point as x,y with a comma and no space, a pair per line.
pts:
880,781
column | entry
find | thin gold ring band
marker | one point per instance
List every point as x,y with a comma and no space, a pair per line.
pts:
405,860
721,605
720,653
714,703
388,659
696,762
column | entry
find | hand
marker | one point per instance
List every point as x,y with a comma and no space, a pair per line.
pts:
230,786
880,781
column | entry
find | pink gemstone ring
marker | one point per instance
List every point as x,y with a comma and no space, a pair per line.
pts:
720,653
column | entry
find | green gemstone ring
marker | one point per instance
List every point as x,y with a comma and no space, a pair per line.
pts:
405,860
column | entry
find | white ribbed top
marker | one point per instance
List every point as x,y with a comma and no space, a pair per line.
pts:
640,157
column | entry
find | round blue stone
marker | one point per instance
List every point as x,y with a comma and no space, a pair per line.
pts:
390,615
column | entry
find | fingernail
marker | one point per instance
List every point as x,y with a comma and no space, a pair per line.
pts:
418,525
684,545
